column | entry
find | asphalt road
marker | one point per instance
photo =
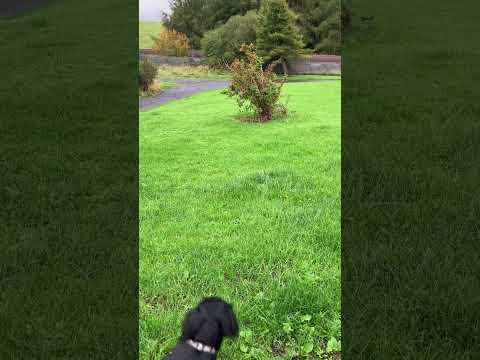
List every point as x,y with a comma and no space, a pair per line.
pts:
186,88
183,89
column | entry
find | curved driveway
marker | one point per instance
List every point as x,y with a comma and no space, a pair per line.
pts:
186,88
183,89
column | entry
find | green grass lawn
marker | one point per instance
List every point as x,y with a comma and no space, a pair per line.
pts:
249,212
147,29
206,72
312,77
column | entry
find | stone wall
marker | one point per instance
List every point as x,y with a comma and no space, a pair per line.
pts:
316,64
172,60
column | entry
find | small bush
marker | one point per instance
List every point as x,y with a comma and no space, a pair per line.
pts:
222,45
171,43
147,72
254,87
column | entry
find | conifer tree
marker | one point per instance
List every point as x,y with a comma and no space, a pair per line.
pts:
319,22
278,37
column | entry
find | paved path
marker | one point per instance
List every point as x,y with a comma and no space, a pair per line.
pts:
186,88
183,89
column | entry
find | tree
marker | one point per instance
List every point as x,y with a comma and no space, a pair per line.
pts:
222,45
220,11
330,29
196,17
278,37
187,16
320,23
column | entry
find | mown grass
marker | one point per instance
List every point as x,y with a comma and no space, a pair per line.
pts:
249,212
312,77
147,29
207,72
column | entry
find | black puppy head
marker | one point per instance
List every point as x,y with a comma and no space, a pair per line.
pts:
209,322
223,313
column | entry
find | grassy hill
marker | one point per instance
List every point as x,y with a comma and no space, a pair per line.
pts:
146,30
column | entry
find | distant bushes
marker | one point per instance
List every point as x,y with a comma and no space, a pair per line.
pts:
196,17
171,43
254,87
332,39
319,22
147,73
222,45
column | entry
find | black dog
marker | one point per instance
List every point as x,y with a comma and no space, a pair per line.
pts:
203,331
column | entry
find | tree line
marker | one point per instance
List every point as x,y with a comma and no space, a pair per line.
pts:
319,21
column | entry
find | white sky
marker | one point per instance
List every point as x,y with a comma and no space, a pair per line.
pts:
152,9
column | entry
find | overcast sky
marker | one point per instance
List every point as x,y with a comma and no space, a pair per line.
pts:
152,9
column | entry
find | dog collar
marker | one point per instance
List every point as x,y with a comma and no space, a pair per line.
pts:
201,347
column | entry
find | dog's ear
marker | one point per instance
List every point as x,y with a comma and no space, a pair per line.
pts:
228,321
191,324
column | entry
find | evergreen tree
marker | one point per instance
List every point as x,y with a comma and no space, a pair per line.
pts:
278,37
188,17
331,29
222,45
220,11
320,23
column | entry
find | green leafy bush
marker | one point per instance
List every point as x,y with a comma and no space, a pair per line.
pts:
147,72
254,87
196,17
222,45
